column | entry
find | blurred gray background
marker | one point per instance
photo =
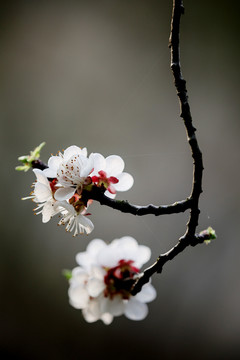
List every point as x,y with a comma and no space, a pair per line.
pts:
96,74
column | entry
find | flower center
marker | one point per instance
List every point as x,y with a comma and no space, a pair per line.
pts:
106,182
115,279
76,202
53,185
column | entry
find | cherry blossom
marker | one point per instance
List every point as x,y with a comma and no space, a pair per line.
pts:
99,286
109,174
43,195
73,212
72,169
75,220
59,187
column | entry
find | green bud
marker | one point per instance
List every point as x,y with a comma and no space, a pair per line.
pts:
67,274
209,234
27,160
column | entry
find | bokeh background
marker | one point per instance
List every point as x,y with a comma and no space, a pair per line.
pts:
96,74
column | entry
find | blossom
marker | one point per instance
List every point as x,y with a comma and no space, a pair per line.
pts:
65,186
72,169
73,212
75,220
109,174
43,195
100,286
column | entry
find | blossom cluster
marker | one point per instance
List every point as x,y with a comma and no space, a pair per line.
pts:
58,188
99,285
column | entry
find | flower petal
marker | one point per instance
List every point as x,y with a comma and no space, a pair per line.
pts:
88,316
114,165
99,162
78,296
95,246
135,310
53,164
107,318
87,166
64,193
114,306
79,276
125,182
85,224
48,211
74,150
42,192
143,255
147,294
41,177
95,287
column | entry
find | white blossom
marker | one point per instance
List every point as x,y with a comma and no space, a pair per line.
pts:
71,169
76,221
43,195
73,215
98,285
109,173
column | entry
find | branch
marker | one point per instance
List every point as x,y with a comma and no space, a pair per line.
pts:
124,206
185,114
189,238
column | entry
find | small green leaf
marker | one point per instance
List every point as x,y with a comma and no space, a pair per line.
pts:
212,233
27,160
67,274
209,234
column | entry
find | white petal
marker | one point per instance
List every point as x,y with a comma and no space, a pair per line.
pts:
98,272
114,165
143,255
135,310
48,211
92,312
147,294
90,318
113,306
42,192
125,248
95,246
79,276
78,296
125,182
84,260
64,193
107,318
87,167
88,258
107,257
95,287
53,164
74,150
50,173
86,224
99,163
41,177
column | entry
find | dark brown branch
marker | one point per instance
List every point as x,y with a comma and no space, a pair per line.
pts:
125,207
185,114
189,237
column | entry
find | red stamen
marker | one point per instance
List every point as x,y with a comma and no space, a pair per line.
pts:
113,180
